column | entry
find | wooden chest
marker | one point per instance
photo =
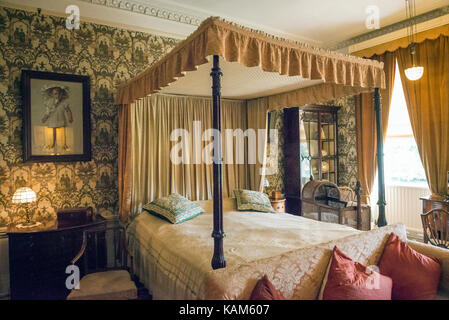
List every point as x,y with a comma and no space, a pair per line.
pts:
38,258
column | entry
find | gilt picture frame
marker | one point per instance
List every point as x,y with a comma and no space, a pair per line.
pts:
56,117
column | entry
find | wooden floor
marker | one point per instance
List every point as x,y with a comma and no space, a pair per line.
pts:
416,236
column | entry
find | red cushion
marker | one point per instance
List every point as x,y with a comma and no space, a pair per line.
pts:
415,276
350,280
264,290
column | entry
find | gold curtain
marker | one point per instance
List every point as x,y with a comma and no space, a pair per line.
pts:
366,126
124,161
258,121
428,106
155,172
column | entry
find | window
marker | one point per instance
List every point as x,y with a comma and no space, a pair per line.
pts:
402,162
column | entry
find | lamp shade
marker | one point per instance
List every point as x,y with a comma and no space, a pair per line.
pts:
24,195
414,73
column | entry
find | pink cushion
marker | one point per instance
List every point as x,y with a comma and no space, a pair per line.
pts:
349,280
415,276
264,290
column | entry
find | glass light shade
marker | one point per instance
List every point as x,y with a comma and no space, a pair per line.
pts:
24,195
414,73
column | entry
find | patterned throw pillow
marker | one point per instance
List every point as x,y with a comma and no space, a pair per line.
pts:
252,200
175,208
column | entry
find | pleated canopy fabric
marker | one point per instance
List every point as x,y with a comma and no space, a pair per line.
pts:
341,75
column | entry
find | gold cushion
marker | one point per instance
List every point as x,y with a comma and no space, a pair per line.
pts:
108,285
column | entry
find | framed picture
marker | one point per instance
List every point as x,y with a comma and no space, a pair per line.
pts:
56,115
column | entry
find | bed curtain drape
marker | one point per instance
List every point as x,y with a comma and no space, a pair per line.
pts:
428,107
317,94
257,119
366,126
170,149
124,161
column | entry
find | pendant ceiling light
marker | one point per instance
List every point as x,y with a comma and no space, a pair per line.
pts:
415,72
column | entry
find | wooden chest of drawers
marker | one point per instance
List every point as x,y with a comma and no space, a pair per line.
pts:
38,258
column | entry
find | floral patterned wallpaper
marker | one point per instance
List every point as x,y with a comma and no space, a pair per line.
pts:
109,56
347,142
347,146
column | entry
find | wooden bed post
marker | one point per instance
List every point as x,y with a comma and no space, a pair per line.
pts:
218,260
381,220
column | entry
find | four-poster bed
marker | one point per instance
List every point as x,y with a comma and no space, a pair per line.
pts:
288,74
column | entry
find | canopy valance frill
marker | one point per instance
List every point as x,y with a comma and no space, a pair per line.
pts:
339,74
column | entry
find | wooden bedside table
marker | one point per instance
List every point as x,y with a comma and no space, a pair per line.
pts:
38,258
278,205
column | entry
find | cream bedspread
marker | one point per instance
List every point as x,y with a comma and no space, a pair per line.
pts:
173,260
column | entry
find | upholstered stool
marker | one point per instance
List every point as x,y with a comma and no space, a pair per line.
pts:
107,285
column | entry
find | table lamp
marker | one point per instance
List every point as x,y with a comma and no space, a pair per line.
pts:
24,196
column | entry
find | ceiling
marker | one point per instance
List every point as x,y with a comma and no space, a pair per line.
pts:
322,23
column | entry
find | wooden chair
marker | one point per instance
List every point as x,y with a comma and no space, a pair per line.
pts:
106,275
435,227
347,194
325,201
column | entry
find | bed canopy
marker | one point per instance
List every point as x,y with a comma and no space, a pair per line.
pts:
253,65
